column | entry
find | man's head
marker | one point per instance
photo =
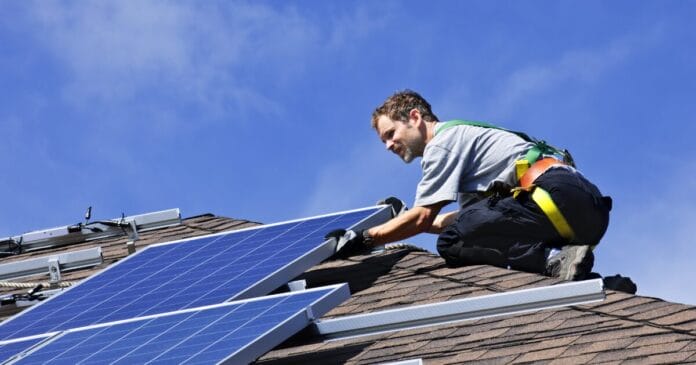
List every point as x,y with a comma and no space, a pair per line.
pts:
400,123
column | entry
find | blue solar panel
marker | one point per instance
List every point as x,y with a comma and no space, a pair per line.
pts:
191,273
237,332
7,350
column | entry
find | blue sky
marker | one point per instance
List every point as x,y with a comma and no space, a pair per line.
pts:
260,110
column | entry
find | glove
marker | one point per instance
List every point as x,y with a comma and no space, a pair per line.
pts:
348,242
398,206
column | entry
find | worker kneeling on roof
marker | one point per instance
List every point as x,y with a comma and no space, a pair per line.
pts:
519,198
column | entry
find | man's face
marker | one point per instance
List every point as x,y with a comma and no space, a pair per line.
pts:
402,138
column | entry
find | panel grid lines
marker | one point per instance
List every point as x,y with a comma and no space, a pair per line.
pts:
191,273
206,335
12,349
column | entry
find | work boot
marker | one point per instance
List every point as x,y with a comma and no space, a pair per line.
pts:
574,262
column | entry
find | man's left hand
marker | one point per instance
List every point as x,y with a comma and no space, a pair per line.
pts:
348,242
398,206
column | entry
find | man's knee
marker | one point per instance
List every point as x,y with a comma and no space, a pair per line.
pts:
447,244
457,252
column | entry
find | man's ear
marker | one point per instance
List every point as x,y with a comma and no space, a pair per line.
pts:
414,116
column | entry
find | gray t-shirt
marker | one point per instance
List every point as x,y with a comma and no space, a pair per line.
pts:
463,161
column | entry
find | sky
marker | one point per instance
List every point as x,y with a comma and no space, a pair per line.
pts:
261,110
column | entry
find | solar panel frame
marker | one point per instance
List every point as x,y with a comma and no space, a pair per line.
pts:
262,285
276,326
309,259
12,348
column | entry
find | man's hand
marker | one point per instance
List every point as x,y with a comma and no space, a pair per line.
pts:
398,206
348,242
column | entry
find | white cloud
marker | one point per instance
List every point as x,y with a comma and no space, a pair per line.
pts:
135,78
122,51
219,57
112,47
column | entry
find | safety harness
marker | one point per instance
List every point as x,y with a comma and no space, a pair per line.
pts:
538,160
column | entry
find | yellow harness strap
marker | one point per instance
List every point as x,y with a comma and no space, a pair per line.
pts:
542,198
521,167
544,201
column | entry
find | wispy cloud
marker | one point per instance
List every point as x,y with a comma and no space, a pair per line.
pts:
361,177
217,57
129,91
584,66
360,23
118,52
562,73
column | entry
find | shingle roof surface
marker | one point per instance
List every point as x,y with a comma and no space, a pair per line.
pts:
623,329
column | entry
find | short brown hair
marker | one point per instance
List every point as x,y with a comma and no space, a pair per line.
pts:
398,106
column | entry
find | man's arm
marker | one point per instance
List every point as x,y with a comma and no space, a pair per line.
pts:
442,221
410,223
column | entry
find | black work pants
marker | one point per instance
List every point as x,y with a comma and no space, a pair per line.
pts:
515,232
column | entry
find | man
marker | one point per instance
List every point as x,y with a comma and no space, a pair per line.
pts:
512,210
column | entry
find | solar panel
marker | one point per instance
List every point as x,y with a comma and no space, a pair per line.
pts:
234,333
192,273
9,349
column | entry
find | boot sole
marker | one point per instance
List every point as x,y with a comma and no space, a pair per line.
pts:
575,256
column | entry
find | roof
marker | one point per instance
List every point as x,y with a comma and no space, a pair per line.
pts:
624,328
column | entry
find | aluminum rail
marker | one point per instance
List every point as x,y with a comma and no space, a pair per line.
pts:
65,235
40,265
514,302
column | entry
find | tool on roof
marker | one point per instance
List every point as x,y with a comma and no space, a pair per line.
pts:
38,292
31,295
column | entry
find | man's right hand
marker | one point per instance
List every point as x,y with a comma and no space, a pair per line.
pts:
348,242
398,206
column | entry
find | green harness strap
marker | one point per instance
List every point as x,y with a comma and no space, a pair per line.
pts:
540,196
540,147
